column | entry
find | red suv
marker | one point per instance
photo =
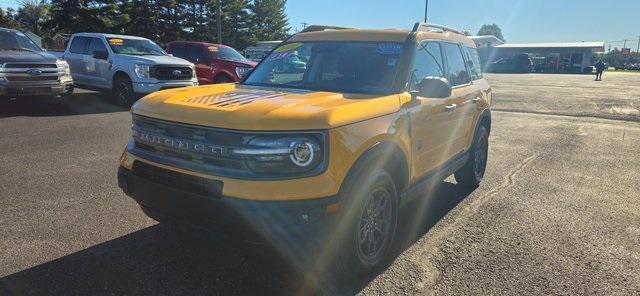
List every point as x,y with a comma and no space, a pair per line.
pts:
215,63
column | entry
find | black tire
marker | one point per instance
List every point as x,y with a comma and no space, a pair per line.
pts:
123,91
359,252
471,174
223,78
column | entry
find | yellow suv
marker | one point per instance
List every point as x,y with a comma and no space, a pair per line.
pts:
320,146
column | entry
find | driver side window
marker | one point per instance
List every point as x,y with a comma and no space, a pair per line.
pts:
428,62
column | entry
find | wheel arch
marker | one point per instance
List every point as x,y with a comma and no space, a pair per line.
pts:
119,73
222,73
386,154
484,119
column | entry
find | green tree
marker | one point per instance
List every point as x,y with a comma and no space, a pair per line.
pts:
7,20
169,19
33,15
236,24
269,21
491,29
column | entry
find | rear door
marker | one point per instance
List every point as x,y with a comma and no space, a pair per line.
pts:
480,88
75,57
97,69
461,104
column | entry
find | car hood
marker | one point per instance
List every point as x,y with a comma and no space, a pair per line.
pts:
156,60
26,57
242,107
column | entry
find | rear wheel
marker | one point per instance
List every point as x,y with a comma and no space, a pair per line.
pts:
471,174
123,91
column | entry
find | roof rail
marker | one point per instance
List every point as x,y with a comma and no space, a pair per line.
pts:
316,28
425,27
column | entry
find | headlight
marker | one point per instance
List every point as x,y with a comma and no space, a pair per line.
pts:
241,71
282,155
61,64
142,70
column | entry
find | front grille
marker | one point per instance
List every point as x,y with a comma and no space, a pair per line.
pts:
32,78
171,73
180,181
218,142
29,66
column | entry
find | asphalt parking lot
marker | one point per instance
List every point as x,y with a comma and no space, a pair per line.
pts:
558,212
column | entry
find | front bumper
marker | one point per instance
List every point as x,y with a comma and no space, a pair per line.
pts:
170,196
149,87
32,89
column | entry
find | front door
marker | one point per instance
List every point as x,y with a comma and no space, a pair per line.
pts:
97,69
202,60
433,119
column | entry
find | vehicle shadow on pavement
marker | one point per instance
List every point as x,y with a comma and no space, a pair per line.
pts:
75,104
155,260
159,260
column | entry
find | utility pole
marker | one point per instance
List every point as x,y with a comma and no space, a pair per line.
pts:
638,49
304,25
219,22
426,9
625,44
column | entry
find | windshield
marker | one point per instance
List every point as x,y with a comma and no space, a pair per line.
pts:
358,67
10,40
228,53
135,46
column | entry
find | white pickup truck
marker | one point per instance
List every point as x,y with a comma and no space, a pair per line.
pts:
128,66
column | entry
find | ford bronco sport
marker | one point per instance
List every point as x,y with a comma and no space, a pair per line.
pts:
321,160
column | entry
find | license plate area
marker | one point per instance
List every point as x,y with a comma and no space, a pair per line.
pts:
179,181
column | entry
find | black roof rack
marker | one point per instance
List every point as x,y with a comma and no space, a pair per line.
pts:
316,28
425,27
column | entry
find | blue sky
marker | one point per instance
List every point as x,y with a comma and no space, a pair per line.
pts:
521,20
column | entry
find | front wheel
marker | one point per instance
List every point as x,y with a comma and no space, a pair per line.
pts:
123,91
371,224
471,174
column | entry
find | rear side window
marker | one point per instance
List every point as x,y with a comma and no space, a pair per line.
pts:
474,63
79,45
456,65
428,62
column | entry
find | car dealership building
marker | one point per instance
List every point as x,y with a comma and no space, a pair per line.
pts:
553,57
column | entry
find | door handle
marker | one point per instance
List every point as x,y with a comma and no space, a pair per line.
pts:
475,100
450,108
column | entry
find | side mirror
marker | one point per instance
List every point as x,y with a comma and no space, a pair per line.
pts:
101,55
433,87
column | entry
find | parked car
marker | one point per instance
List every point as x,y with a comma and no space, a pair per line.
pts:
318,163
26,69
215,63
128,66
520,63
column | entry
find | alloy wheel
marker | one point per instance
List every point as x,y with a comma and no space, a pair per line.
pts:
375,225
